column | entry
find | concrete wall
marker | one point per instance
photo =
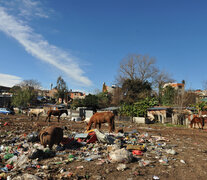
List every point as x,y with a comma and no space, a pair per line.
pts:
139,120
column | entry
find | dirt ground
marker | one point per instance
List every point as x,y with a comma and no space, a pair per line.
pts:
190,162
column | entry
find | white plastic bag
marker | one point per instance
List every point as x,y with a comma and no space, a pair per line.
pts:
121,155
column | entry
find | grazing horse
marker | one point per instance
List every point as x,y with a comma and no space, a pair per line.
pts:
102,117
35,112
197,120
50,136
57,112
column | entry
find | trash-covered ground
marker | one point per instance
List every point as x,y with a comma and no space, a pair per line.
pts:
136,152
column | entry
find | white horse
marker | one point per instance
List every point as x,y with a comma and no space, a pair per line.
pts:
35,112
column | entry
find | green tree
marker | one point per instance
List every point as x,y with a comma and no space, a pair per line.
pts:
24,93
134,90
91,101
104,100
77,103
168,96
61,89
23,97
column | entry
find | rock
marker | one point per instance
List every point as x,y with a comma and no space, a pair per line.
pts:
26,177
121,167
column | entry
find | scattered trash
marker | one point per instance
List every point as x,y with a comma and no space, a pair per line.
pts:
137,147
171,151
27,176
24,153
33,137
182,161
104,138
121,167
121,155
155,178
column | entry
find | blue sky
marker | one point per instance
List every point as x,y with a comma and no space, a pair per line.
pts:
84,41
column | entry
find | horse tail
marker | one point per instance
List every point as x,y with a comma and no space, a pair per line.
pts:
203,121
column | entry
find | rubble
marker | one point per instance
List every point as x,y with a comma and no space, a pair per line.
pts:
22,155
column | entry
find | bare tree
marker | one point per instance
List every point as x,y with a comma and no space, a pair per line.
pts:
136,66
189,98
30,83
161,78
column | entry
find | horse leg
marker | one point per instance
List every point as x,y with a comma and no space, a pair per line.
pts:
110,127
201,125
95,124
99,125
38,116
113,124
48,118
194,124
198,125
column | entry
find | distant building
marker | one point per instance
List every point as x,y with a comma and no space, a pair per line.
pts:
51,93
115,91
180,87
76,95
4,90
70,95
109,89
201,95
5,96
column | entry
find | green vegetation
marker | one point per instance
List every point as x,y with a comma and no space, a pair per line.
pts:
23,97
138,109
168,96
61,89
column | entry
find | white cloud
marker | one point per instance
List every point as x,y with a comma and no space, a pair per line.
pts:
9,80
26,8
37,46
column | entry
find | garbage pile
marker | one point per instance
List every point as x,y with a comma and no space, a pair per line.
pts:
24,153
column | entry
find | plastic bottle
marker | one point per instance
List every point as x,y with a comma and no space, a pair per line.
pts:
8,156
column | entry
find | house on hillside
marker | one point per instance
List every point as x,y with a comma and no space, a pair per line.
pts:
109,89
76,95
5,96
115,92
201,95
180,87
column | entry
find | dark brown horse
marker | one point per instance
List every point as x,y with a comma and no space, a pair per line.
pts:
58,113
102,117
197,120
50,136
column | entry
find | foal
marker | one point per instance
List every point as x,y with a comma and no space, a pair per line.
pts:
198,121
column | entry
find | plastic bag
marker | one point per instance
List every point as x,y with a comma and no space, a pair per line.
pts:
121,155
104,138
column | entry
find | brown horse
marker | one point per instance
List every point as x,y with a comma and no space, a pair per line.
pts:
58,113
197,120
102,117
50,136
